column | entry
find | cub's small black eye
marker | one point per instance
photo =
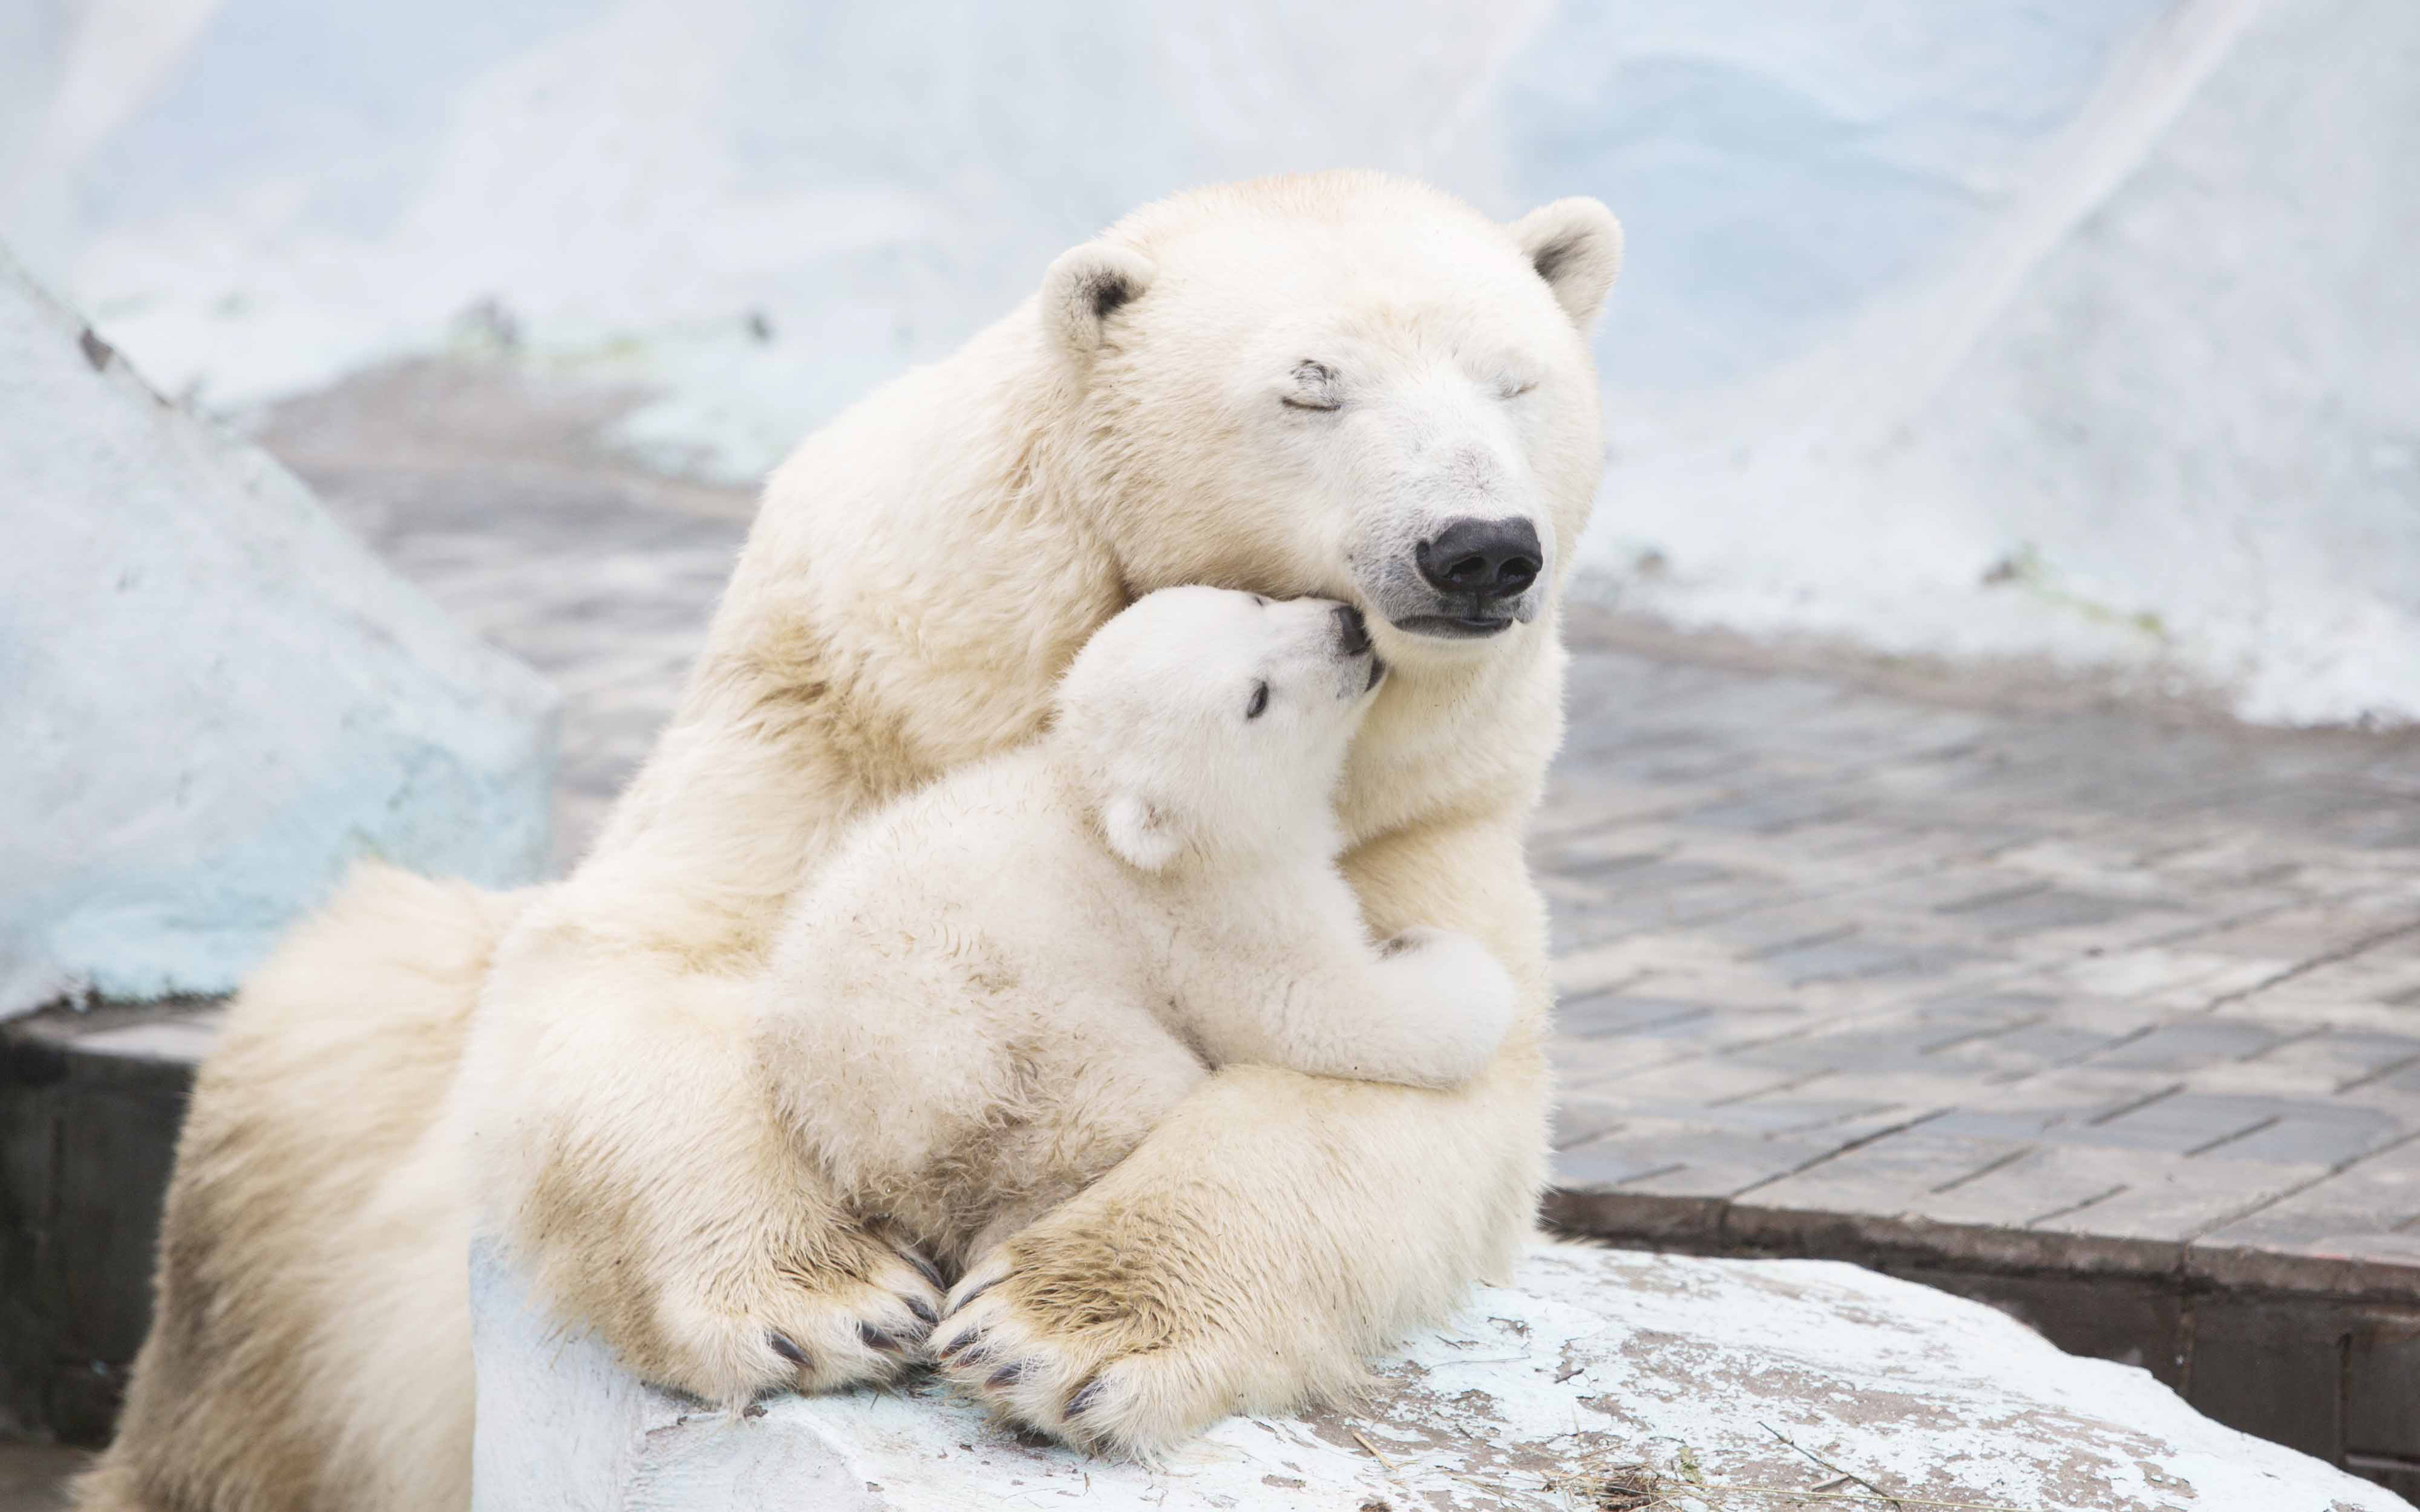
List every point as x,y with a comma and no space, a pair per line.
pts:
1259,704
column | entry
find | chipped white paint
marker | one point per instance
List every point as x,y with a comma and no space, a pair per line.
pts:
1593,1358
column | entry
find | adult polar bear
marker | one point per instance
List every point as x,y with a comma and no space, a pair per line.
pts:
1341,385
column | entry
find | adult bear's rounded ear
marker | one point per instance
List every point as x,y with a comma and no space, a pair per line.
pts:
1141,831
1083,289
1575,246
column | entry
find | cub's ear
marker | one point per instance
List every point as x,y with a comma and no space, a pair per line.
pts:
1575,246
1083,289
1139,832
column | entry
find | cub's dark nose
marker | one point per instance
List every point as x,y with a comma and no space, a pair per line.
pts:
1352,631
1486,558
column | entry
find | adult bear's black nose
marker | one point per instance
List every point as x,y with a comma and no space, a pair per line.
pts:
1486,558
1351,630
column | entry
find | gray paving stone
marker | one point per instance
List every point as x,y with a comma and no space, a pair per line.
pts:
1613,1014
1610,1163
2192,1043
2034,1187
1701,1162
2172,1197
2045,1045
2176,1122
1857,1045
1579,1119
1697,1081
2376,1197
1772,810
2042,906
2310,1060
1783,1111
2320,1134
1860,956
2002,1124
1890,1177
2121,1194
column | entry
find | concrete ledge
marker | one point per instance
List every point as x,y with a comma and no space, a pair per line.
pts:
89,1108
1597,1369
2382,1268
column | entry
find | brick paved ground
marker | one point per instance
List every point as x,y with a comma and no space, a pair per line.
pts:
2078,977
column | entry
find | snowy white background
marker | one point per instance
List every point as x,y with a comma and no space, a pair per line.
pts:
2084,328
213,699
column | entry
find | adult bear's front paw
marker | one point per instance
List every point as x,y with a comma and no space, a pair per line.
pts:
1072,1358
840,1308
1075,1329
795,1298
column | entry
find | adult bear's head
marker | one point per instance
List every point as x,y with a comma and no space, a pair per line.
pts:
1341,384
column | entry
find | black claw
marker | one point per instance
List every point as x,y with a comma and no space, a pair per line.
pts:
972,1296
924,1268
1084,1398
923,1311
1007,1375
876,1338
973,1336
787,1347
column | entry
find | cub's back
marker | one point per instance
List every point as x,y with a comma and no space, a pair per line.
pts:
990,870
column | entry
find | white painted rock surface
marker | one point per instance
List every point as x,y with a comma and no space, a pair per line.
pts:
1594,1360
212,698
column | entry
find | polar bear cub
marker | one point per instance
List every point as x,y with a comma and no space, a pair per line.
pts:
998,984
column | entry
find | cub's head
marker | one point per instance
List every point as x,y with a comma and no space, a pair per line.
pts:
1208,721
1342,385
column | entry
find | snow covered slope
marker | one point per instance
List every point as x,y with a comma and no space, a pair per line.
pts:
212,698
2181,431
2066,327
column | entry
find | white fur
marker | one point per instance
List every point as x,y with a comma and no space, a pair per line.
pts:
989,996
923,570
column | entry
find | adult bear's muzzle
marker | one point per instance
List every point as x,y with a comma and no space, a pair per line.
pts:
1479,569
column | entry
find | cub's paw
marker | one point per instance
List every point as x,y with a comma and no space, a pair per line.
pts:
1077,1357
858,1312
1462,989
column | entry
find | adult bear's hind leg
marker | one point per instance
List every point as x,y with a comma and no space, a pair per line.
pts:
302,1227
631,1158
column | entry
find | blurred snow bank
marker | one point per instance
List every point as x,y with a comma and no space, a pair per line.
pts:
215,700
2083,328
